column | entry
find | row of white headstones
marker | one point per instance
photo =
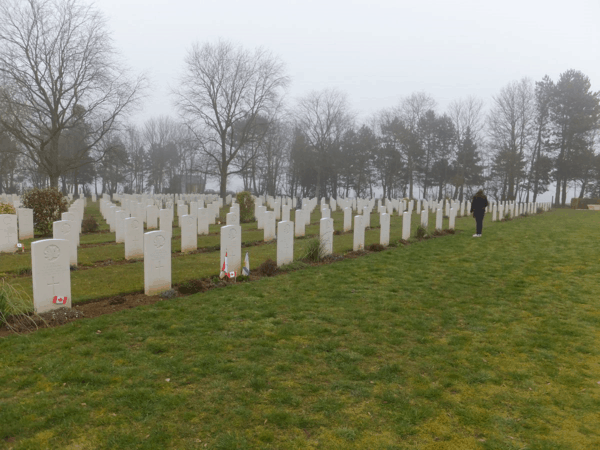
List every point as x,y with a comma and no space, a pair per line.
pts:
52,258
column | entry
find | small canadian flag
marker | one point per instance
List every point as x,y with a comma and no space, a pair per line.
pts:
59,301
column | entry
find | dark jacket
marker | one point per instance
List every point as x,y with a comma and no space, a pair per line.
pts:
479,204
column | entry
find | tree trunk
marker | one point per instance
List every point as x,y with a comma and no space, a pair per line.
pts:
318,188
583,185
557,192
564,192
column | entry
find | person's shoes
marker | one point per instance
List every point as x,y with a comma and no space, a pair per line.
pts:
478,235
475,235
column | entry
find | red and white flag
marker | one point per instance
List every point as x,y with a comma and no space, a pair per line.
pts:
59,301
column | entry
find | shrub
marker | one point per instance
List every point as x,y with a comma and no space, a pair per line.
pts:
268,268
15,307
7,208
376,248
507,216
47,205
244,199
89,225
314,251
421,232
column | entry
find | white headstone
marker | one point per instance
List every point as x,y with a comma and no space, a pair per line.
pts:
25,217
451,219
347,219
65,229
325,213
51,274
120,217
194,209
366,216
166,220
285,213
326,236
359,234
152,217
406,216
182,210
157,262
9,237
300,223
425,218
269,225
189,233
111,217
438,219
134,238
384,234
231,244
74,217
232,218
260,217
203,221
285,243
277,210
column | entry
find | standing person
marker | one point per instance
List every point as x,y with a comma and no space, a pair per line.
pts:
478,205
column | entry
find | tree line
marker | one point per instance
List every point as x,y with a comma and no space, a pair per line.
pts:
65,102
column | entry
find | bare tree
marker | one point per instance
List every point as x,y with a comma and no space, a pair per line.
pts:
467,113
511,122
59,71
414,107
323,116
224,86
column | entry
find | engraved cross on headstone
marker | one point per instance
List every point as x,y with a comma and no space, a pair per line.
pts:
159,266
53,284
9,232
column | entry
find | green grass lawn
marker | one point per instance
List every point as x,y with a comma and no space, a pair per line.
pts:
450,343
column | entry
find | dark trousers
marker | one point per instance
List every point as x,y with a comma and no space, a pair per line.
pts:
479,220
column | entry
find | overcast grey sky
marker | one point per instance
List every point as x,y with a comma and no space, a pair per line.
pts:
376,51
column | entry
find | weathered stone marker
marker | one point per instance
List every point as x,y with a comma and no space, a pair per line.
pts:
384,233
300,223
51,274
65,229
25,216
269,225
166,220
157,262
347,219
231,244
359,234
406,216
285,242
9,237
189,234
134,238
326,236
